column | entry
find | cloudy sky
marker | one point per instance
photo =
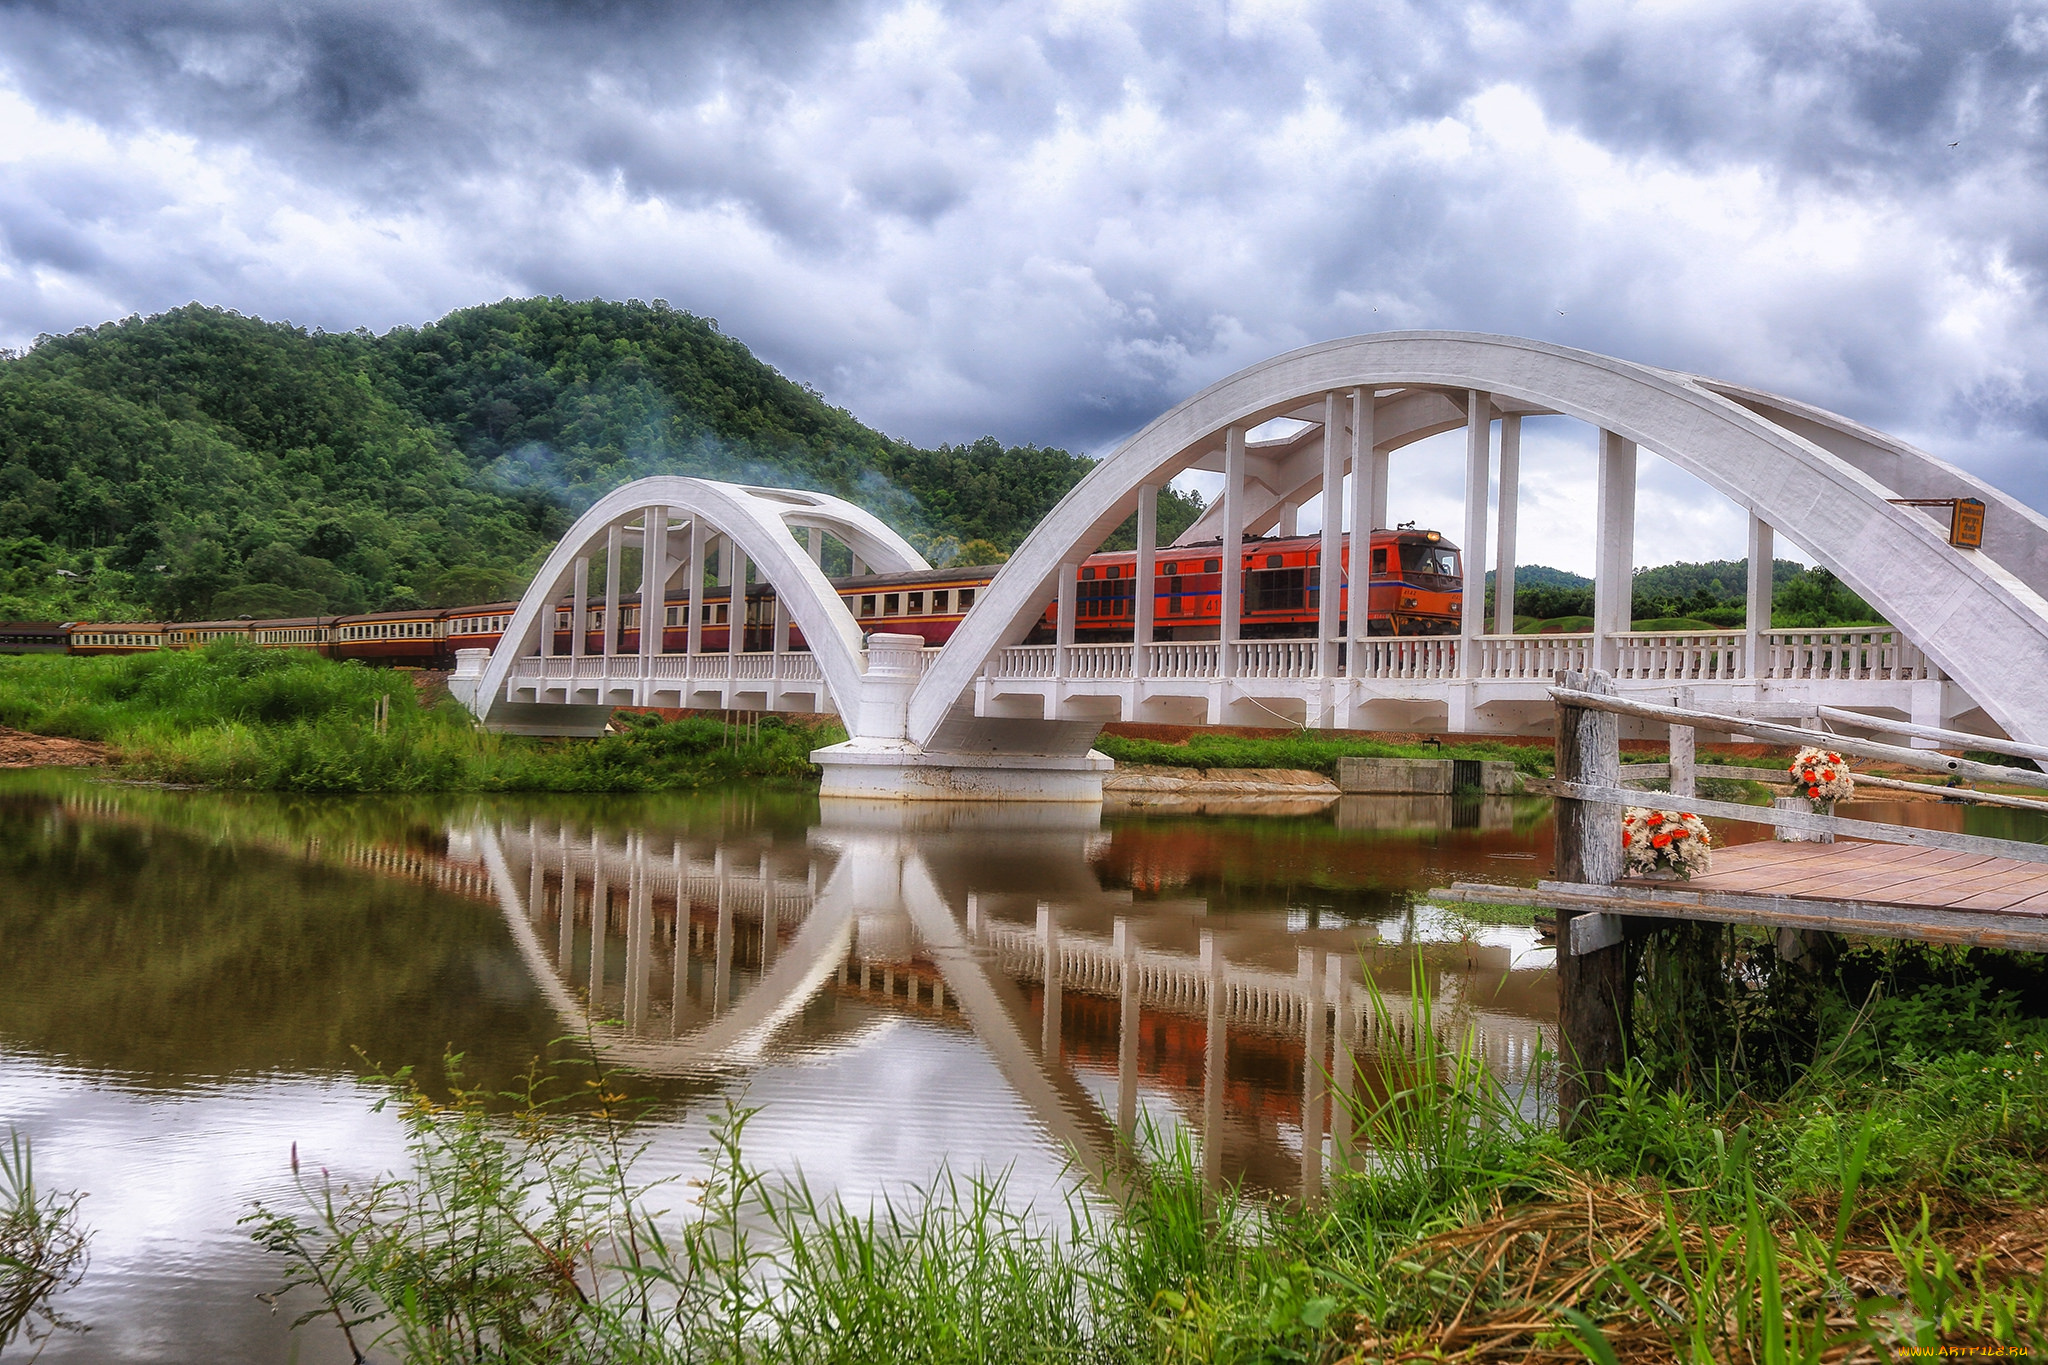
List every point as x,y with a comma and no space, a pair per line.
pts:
1051,221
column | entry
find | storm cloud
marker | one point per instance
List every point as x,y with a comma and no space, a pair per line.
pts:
1051,221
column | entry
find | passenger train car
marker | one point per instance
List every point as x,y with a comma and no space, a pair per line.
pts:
1417,588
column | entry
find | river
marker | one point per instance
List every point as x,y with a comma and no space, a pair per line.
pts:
199,981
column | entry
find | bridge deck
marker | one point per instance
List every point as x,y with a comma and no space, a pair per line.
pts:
1935,895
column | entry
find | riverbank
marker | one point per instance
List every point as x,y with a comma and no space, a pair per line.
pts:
1880,1201
237,717
19,749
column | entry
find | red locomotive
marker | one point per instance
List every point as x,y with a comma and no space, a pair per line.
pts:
1417,588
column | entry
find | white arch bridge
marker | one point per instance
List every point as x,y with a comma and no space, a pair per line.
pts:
988,716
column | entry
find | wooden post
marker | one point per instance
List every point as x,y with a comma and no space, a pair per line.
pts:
1682,776
1594,988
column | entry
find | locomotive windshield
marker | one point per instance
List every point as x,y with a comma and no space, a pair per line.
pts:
1429,559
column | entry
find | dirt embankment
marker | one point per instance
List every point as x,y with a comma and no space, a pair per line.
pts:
19,749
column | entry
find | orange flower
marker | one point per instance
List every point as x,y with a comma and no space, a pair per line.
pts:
1813,792
1657,819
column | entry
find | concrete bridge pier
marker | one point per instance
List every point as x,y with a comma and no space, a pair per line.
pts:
969,758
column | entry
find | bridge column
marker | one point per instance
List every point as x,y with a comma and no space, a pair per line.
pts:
1232,562
579,613
814,538
693,640
1614,551
1063,635
1330,555
735,612
1368,510
1763,552
1478,466
653,595
1510,498
1145,601
780,644
614,551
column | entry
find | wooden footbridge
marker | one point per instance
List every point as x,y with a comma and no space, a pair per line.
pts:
1823,874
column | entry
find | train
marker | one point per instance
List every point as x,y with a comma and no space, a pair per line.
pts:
1417,588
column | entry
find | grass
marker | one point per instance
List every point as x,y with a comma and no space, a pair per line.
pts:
1308,751
231,715
1886,1200
43,1244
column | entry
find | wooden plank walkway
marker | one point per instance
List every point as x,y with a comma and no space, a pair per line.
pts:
1874,872
1888,890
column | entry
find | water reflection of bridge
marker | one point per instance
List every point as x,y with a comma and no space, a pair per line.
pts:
725,943
691,954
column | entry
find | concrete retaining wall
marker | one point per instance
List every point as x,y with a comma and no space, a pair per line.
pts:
1424,776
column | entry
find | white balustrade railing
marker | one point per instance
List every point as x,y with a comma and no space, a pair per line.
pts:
1026,661
1406,656
1536,658
1861,655
1277,659
1090,662
1873,655
1194,659
1691,656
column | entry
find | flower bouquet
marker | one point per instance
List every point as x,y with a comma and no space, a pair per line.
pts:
1823,776
1663,842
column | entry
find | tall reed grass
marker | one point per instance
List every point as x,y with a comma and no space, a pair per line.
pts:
1466,1229
43,1249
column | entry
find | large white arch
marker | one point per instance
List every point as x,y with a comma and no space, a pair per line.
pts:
1980,616
760,522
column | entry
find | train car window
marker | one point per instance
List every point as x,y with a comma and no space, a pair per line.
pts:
915,603
966,598
1379,561
892,604
1112,571
867,604
1172,570
1430,559
1274,589
1274,561
674,617
1212,566
722,610
940,598
1087,575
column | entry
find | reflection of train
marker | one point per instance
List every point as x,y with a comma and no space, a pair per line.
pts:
1416,590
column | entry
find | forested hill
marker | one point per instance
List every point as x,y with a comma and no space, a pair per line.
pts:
203,463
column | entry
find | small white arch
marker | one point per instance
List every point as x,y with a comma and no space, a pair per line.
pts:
860,530
760,525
